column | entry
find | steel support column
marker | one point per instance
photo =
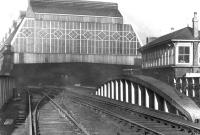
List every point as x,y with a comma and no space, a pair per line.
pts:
155,102
101,90
121,91
146,98
105,90
139,96
116,90
126,89
96,92
186,92
132,94
109,91
112,88
166,109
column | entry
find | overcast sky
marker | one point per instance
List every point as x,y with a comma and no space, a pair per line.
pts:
148,17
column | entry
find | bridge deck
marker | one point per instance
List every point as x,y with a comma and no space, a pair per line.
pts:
180,101
154,113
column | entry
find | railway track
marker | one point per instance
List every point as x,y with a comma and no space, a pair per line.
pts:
142,122
51,119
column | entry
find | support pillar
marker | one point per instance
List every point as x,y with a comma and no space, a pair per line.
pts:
146,98
181,85
175,83
126,89
105,90
139,96
155,102
109,90
121,91
193,93
186,92
116,90
112,88
132,94
193,88
166,109
101,90
96,92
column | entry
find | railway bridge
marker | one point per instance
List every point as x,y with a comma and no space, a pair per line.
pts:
150,93
55,32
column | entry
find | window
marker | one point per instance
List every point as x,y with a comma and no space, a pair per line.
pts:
183,54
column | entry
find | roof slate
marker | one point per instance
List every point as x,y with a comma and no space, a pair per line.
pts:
182,34
78,7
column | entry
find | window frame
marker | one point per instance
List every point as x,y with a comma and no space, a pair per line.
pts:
190,53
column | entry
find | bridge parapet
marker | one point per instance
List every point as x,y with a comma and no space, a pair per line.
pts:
150,93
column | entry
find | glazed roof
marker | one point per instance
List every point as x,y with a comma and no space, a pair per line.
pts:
182,34
78,7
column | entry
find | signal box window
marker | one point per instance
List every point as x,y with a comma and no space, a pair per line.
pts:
183,54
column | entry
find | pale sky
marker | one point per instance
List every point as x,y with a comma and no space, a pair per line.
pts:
148,17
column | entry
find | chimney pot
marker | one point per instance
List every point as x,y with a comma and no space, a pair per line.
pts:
195,25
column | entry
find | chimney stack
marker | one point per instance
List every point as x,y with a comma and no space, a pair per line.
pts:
195,25
172,29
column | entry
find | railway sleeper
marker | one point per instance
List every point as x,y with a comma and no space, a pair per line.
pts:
175,126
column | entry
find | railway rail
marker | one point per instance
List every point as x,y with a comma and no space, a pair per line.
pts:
146,123
49,118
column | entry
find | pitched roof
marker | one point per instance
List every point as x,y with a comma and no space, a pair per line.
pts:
78,7
182,34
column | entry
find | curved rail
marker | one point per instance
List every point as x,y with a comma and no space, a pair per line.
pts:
30,122
35,115
179,124
110,113
66,114
62,111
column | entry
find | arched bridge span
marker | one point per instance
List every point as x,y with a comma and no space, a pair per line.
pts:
150,93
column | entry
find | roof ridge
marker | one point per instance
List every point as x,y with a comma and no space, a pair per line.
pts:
83,2
172,33
184,33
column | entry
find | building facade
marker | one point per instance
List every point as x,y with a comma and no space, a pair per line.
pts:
176,54
56,31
